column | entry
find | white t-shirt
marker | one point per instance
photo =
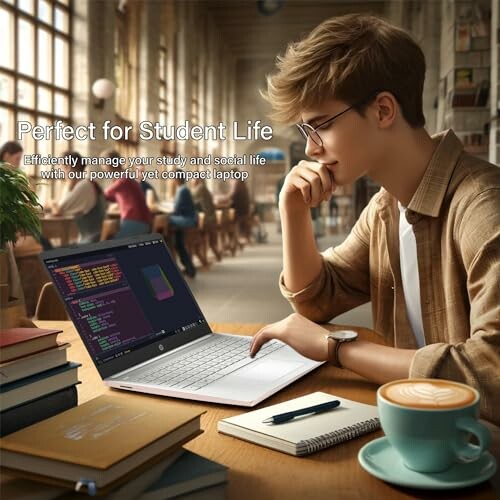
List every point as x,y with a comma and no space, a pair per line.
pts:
80,200
409,275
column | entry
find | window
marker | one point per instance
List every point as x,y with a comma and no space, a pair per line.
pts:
126,47
162,81
195,103
35,73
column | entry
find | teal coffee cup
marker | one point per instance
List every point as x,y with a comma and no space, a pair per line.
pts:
429,422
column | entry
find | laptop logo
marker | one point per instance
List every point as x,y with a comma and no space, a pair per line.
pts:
160,346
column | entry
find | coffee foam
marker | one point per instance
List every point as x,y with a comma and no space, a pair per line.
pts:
428,394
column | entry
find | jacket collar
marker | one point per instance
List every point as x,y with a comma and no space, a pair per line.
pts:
429,196
430,193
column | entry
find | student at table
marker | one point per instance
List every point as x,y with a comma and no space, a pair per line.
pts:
183,217
204,202
425,250
85,200
238,197
11,152
135,217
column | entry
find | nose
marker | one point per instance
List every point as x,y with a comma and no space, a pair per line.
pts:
312,149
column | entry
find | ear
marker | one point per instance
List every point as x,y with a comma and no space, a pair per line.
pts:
386,108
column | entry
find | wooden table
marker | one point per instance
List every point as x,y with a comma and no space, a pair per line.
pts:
260,473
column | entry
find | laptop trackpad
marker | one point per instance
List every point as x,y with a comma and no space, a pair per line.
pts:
267,370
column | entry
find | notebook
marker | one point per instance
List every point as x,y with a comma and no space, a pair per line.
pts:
307,434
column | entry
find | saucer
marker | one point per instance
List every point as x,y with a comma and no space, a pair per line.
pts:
381,460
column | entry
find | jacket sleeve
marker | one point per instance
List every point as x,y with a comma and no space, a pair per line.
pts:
476,361
344,280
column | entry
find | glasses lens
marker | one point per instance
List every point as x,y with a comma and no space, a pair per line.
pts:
308,132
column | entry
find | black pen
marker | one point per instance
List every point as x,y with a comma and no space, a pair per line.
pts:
285,417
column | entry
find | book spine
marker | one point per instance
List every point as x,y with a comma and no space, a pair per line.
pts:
336,437
30,413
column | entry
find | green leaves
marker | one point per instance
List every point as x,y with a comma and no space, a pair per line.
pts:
19,205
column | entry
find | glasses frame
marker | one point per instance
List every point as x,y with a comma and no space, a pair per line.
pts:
305,129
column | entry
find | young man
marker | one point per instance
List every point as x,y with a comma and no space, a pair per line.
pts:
426,249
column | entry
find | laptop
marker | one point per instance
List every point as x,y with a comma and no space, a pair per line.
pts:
145,332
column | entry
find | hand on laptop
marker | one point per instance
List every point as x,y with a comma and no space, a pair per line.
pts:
303,335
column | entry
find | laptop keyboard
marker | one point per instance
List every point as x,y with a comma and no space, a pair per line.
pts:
215,359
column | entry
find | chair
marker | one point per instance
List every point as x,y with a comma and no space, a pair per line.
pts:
50,306
232,232
160,225
196,242
110,228
220,228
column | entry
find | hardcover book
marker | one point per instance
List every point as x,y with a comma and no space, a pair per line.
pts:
100,444
18,342
38,385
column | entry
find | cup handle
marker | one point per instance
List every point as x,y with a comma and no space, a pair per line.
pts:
471,452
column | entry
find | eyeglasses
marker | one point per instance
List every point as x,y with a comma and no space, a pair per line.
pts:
307,130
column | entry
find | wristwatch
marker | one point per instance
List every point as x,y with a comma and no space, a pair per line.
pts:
335,340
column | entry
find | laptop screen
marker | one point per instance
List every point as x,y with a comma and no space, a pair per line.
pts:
127,300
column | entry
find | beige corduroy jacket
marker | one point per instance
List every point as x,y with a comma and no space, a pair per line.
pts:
455,214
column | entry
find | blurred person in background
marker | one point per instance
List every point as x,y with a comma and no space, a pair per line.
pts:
238,197
183,217
84,199
12,152
135,217
204,202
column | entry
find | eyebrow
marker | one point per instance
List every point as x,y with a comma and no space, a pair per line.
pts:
316,119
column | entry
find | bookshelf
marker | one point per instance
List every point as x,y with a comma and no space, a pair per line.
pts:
465,74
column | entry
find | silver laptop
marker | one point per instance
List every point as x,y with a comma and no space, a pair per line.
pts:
145,332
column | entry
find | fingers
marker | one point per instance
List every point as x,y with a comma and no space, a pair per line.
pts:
260,338
315,182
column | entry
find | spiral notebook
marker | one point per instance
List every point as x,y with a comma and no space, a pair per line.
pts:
307,434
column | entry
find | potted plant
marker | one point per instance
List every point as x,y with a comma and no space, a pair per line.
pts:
19,208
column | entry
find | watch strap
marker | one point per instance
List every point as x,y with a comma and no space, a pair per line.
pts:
333,351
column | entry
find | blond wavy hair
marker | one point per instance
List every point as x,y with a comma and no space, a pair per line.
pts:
349,58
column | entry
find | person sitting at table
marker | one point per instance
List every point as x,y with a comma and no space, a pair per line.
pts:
84,199
183,217
425,250
238,197
11,152
204,202
135,217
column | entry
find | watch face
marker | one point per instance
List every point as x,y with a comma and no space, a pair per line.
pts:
344,335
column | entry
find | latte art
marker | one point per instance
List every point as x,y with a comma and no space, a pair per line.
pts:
428,394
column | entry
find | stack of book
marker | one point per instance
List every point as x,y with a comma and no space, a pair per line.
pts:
36,379
124,447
